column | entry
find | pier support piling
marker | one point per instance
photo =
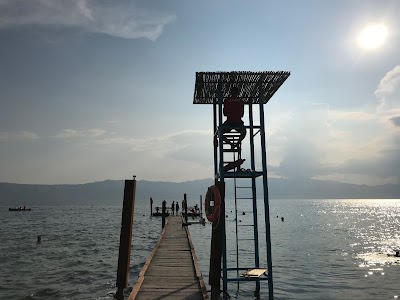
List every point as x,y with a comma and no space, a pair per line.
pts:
216,247
125,237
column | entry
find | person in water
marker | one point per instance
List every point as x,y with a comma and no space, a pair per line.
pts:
397,254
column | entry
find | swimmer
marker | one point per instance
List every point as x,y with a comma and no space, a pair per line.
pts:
39,239
397,254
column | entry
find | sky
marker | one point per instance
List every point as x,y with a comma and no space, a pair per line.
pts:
98,89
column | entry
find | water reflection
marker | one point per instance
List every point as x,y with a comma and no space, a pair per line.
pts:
325,249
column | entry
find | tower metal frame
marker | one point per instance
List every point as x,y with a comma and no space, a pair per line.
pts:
254,88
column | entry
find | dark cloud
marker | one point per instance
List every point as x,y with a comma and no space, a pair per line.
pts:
385,165
396,121
300,161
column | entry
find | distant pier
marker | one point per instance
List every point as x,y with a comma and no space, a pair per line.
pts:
171,271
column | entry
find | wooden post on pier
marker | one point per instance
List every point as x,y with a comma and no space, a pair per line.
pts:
164,207
151,206
201,206
216,247
125,237
186,206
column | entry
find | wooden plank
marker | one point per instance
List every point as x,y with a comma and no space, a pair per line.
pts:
170,296
139,282
169,283
171,271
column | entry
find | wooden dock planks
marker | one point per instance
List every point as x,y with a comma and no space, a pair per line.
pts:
171,271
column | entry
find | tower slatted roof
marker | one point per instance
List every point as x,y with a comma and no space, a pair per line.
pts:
205,90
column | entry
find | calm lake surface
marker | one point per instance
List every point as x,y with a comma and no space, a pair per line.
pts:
324,249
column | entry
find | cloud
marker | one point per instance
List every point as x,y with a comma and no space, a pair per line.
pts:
388,91
121,19
187,145
377,151
73,133
354,116
359,146
330,144
193,146
173,156
305,138
18,136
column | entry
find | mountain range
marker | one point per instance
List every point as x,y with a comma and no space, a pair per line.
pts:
111,191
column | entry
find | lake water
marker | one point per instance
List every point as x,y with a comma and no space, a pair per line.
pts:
324,249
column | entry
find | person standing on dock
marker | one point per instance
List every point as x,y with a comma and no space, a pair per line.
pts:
173,208
177,207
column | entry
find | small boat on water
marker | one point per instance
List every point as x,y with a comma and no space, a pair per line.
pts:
158,212
192,212
19,208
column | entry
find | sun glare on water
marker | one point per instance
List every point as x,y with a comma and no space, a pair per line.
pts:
373,36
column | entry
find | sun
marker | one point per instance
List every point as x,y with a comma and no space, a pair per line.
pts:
373,36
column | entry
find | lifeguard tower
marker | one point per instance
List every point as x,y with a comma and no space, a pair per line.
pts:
244,177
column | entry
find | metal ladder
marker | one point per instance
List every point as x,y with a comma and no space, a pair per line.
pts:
230,146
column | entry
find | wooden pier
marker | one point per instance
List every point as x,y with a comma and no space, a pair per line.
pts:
171,271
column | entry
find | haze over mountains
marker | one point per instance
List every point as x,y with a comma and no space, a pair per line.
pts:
111,191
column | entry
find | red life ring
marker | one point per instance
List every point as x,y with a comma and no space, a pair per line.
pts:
212,211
